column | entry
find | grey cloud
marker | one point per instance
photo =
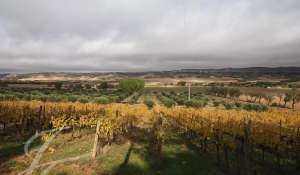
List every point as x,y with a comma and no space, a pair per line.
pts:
98,35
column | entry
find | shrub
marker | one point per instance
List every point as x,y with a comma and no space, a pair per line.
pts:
149,103
102,100
42,98
181,83
179,100
27,97
255,107
103,85
58,85
2,97
72,98
83,100
238,104
216,103
123,96
169,102
166,101
195,103
228,106
115,98
53,98
274,104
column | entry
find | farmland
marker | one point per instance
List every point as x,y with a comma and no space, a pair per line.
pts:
131,126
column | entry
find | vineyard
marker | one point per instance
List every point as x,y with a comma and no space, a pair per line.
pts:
241,142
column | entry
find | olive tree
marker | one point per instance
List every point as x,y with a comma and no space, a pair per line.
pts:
131,85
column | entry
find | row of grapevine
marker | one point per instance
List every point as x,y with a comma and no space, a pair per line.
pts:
23,118
242,133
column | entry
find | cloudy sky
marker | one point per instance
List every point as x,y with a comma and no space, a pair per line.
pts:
136,35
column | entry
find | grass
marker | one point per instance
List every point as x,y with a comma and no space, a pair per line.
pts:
179,160
121,159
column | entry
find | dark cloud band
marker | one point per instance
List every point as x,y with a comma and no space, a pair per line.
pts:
106,35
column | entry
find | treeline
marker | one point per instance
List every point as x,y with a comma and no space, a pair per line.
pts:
224,92
103,97
293,96
82,93
243,106
172,98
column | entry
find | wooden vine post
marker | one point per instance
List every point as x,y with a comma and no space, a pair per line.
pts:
156,142
247,145
298,151
95,147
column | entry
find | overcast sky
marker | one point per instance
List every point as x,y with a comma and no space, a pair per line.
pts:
136,35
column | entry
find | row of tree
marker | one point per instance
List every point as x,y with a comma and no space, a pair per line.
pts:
127,85
293,96
224,92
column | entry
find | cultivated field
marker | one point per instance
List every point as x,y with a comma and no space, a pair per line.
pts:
128,127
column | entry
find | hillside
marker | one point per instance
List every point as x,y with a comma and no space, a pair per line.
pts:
194,75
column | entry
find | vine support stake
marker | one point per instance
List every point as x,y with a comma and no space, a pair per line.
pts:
94,153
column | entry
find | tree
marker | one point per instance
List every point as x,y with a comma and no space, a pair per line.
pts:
253,96
103,85
294,97
131,85
77,87
181,83
287,98
281,97
224,91
234,92
58,85
261,96
218,91
269,98
87,86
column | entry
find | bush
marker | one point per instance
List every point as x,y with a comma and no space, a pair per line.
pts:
216,103
2,97
237,104
103,85
42,98
181,83
169,103
58,85
228,106
195,103
115,98
255,107
72,98
102,100
166,101
83,100
179,100
274,105
28,97
149,103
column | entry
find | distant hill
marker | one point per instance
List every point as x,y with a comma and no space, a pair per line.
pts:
268,70
243,73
